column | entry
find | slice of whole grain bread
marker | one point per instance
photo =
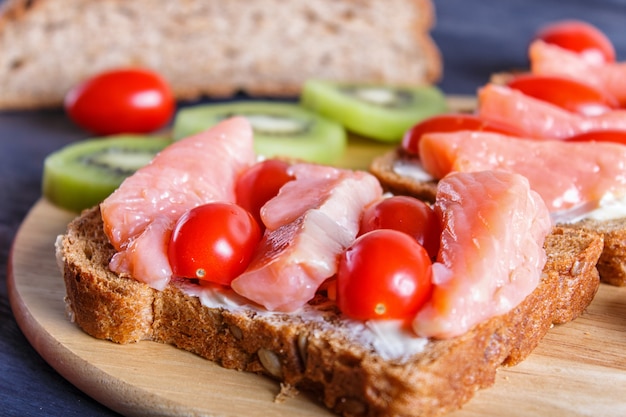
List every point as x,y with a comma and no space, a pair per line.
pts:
212,47
612,262
322,356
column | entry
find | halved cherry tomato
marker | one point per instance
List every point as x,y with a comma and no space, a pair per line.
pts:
260,183
121,101
385,274
566,93
579,36
213,242
616,136
405,214
452,122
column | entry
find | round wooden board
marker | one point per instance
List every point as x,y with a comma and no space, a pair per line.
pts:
579,369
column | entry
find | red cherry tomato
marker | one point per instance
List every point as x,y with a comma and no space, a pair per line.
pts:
408,215
566,93
261,182
452,122
121,101
213,242
616,136
580,37
385,274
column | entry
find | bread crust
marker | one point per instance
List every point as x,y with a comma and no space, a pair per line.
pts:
221,49
319,356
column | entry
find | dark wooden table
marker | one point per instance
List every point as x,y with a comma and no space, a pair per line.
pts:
477,38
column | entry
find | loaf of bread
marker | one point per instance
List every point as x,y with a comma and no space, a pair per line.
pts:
325,357
212,47
612,262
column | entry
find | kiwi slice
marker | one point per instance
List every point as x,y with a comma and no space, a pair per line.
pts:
84,173
374,111
281,129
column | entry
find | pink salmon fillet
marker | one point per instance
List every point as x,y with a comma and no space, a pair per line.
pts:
191,172
539,119
491,253
565,174
312,220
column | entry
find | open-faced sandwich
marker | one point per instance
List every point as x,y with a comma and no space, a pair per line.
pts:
559,126
364,320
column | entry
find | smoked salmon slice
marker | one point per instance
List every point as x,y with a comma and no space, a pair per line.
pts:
548,59
539,119
141,213
565,174
311,221
491,253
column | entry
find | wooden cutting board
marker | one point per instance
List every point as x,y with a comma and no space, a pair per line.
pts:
579,369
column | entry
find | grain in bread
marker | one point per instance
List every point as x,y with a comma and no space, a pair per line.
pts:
612,262
323,357
212,47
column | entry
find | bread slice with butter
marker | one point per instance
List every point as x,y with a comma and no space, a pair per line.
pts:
394,172
212,47
335,360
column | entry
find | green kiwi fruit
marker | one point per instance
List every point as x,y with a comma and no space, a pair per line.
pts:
374,111
281,129
82,174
